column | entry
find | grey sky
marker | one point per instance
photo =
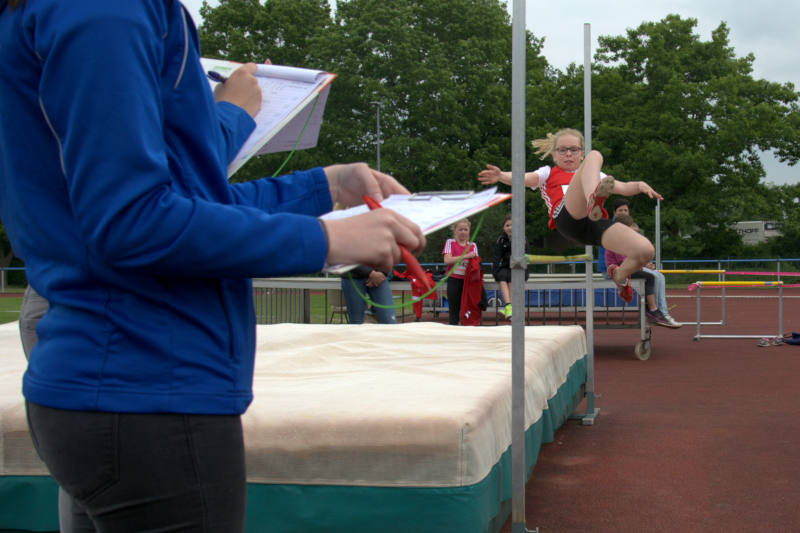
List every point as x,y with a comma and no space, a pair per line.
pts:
768,29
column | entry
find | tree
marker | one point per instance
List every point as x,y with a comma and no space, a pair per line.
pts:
688,117
283,31
440,72
785,200
683,114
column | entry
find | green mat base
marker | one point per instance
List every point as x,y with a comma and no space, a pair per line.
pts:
29,503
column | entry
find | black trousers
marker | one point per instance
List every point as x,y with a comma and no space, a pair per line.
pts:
455,286
146,472
649,280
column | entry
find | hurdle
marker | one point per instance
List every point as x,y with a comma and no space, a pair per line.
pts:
698,285
720,278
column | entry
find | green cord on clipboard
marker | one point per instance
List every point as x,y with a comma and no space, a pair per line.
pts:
299,138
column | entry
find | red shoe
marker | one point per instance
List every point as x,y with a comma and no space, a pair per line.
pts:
625,290
603,190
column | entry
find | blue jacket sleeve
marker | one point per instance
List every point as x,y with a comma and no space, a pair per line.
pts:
235,125
302,192
139,198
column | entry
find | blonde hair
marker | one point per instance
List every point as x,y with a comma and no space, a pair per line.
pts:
457,222
547,145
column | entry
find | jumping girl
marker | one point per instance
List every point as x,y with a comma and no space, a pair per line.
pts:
574,191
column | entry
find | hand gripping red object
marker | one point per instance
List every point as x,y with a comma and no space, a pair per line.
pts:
412,265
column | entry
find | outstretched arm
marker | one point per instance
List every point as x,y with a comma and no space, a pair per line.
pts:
632,188
493,174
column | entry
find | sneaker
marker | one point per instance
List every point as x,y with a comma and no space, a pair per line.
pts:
654,317
777,341
657,317
506,311
603,190
671,322
764,342
625,290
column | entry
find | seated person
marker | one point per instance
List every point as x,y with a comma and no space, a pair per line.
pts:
374,284
660,290
653,313
620,206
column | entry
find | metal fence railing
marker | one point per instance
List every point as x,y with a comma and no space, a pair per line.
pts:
774,265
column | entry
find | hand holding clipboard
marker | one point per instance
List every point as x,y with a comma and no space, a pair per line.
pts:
411,262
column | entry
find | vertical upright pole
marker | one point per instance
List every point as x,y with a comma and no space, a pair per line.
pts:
587,85
658,235
378,106
379,134
587,133
518,266
699,288
780,310
722,314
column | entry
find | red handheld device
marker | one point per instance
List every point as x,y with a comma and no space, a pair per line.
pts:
408,258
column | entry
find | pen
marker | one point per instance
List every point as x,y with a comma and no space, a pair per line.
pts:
411,262
216,76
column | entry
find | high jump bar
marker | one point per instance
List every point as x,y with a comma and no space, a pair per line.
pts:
545,259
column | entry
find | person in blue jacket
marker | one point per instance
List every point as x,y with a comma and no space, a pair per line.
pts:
113,190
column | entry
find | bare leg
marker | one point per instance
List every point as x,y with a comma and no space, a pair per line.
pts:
623,240
583,184
505,292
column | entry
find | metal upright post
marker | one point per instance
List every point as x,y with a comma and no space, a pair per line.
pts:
518,267
378,106
780,310
699,289
379,136
658,235
587,85
591,412
722,278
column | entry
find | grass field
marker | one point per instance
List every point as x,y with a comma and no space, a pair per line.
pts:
9,308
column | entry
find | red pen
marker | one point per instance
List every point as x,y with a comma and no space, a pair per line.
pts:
411,262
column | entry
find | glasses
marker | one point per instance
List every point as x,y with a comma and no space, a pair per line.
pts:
571,150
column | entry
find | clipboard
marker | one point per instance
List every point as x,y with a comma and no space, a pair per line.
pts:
431,211
290,98
442,195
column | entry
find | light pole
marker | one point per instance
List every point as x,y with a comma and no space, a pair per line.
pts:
378,107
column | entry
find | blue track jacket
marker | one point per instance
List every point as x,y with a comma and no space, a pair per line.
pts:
113,190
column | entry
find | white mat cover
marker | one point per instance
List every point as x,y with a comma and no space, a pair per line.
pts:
420,404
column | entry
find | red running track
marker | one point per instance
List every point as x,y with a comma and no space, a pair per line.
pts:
702,437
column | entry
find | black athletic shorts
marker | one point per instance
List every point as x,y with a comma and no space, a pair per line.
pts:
584,230
504,274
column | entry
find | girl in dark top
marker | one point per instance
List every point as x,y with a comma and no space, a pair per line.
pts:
501,265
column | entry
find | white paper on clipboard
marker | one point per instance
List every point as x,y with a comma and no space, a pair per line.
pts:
288,96
431,214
